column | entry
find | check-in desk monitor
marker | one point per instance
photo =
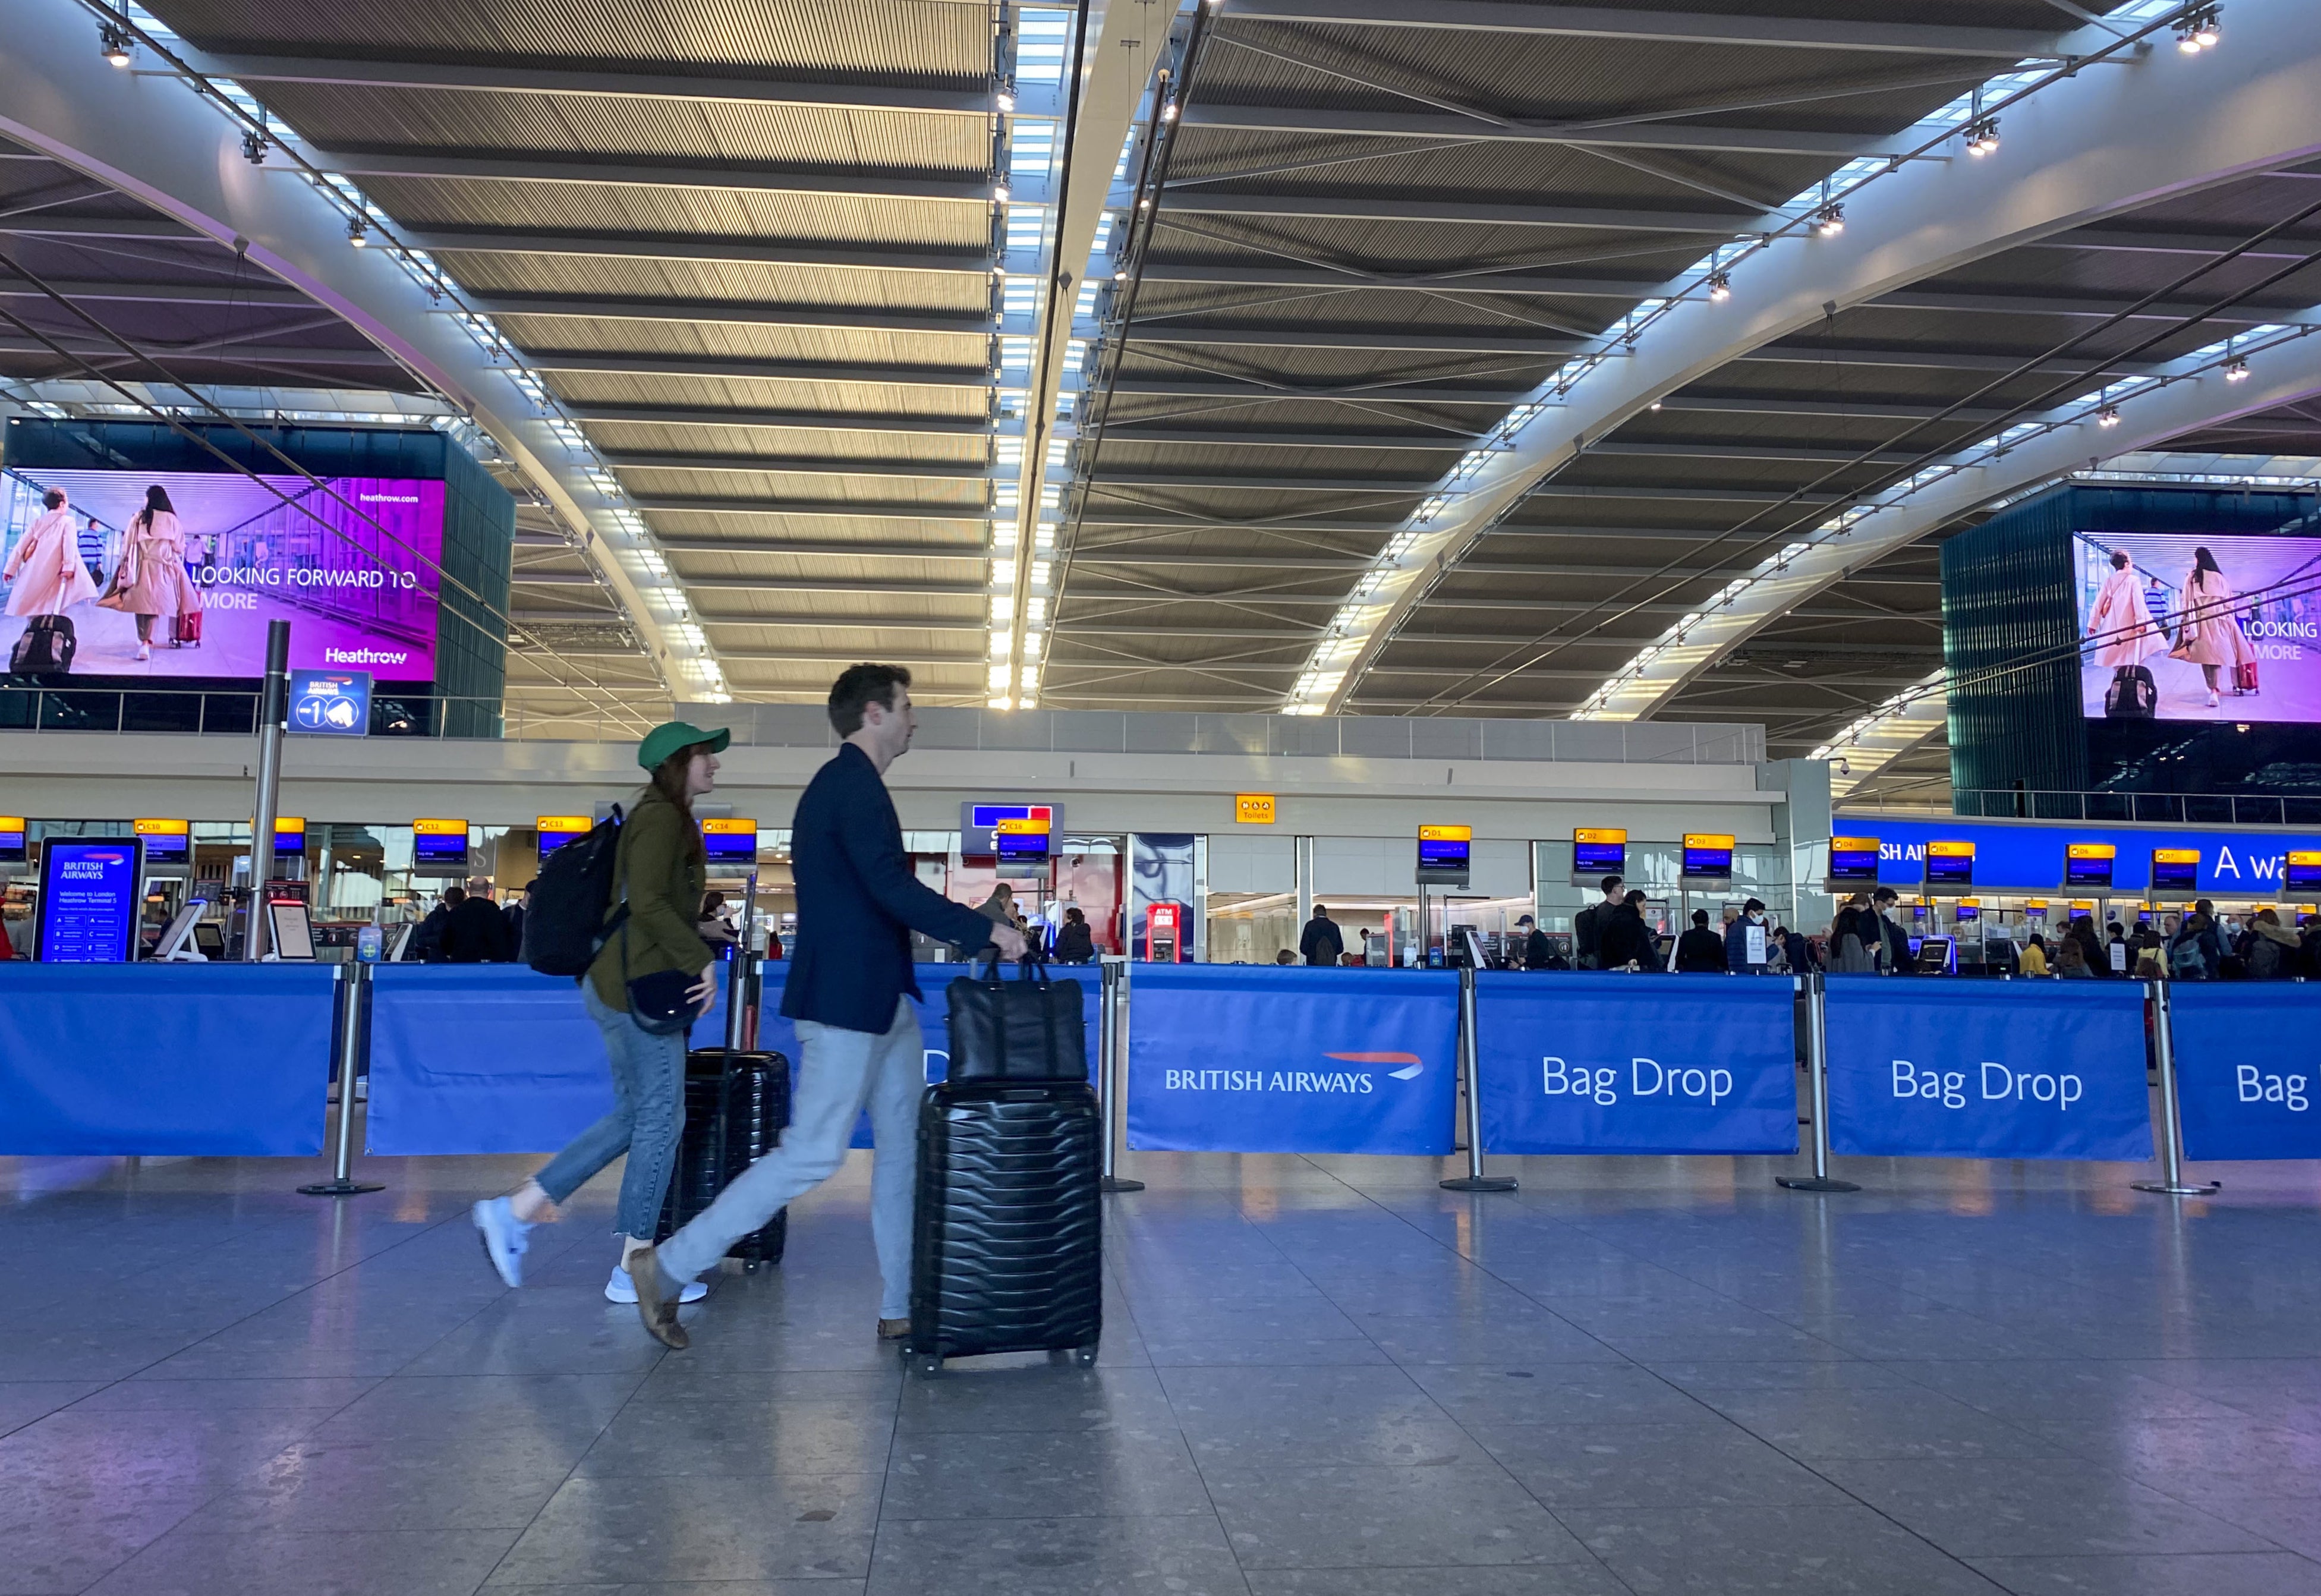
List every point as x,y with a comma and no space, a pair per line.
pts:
1934,955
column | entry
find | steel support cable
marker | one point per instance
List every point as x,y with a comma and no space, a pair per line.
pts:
1601,610
438,285
1988,111
294,468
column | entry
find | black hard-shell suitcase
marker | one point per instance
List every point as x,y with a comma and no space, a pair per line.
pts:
1008,1253
733,1116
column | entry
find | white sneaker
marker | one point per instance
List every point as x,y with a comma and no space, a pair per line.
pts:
144,651
505,1237
621,1289
2212,700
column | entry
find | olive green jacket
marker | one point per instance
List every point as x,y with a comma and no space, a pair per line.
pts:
664,884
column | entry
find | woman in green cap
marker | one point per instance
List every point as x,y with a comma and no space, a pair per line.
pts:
659,872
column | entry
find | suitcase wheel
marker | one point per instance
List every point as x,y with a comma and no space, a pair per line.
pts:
927,1366
1079,1357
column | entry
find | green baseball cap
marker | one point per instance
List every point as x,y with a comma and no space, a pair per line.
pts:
668,737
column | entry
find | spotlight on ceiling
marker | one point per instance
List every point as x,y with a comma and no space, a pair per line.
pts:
999,193
2237,372
253,148
118,43
1720,287
358,232
1830,221
2108,416
1982,138
1007,99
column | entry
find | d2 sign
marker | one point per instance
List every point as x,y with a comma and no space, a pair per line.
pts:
1934,1069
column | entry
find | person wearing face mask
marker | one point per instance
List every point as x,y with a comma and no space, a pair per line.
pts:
1744,953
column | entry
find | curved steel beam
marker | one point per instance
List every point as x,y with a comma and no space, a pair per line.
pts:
2282,374
153,137
2099,145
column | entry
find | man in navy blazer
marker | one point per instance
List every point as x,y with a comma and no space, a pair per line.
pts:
849,990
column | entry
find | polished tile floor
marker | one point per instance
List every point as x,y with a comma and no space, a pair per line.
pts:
1319,1375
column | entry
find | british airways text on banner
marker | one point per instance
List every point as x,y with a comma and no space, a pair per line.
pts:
1610,1064
2030,856
1239,1059
2240,1102
1930,1069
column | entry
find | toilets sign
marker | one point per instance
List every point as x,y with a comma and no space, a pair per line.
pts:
1934,1069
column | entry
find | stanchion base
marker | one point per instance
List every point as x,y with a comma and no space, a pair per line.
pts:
1480,1183
1814,1183
1119,1183
2165,1190
338,1188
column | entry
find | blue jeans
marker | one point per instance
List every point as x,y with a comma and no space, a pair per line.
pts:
648,1115
840,1072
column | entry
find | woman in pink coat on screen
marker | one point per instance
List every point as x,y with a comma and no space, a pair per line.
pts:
2210,634
44,570
154,559
2120,623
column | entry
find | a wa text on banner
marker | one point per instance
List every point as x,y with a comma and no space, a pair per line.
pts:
1636,1063
1227,1058
1939,1069
2248,1075
226,1061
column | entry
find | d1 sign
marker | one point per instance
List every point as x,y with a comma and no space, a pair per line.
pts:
1935,1069
1636,1063
1254,1059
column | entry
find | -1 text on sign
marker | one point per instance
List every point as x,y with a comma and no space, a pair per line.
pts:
1940,1069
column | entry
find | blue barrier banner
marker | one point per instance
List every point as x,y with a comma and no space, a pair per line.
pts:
1601,1062
1233,1058
223,1061
2245,1087
481,1058
1926,1067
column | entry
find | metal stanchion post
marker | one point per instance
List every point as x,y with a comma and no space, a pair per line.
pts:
273,710
354,986
1817,1074
1109,1068
2170,1182
1474,1180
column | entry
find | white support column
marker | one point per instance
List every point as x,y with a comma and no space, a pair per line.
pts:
155,140
2099,145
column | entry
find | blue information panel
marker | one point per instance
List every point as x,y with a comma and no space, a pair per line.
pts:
224,1061
1607,1062
2248,1077
1230,1058
1932,1068
88,901
331,703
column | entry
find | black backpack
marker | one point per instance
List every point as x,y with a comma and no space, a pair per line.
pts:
46,648
2132,695
565,925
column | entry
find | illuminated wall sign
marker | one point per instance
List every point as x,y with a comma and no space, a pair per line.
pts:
2175,870
331,703
1599,852
1021,842
556,830
1853,862
440,847
2304,871
12,839
1968,908
166,842
289,838
1253,809
1708,856
729,840
1950,864
2088,864
1443,854
979,823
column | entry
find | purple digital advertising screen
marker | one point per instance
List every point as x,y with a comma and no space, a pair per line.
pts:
352,562
2229,627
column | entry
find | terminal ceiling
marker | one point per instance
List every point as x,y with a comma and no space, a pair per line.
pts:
780,270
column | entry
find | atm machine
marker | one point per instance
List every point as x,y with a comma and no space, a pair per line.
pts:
1164,934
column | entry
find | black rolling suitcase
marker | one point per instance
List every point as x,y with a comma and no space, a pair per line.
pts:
734,1114
1009,1253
